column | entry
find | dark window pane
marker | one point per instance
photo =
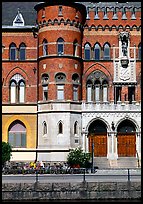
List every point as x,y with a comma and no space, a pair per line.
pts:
87,54
13,53
22,53
97,54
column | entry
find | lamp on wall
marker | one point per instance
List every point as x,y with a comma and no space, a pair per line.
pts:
113,127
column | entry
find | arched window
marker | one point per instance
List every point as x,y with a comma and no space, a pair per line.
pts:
22,52
21,92
106,51
97,51
97,87
87,51
139,51
17,134
75,80
75,128
45,47
60,46
105,90
89,91
17,89
44,128
13,91
75,46
60,128
97,90
12,52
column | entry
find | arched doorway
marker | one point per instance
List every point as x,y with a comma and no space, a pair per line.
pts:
126,139
98,136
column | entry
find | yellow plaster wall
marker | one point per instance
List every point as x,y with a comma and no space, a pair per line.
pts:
30,123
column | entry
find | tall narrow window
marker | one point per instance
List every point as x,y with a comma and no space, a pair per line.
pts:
87,52
97,90
22,52
45,47
60,131
13,92
75,48
89,91
139,51
105,91
97,51
44,128
12,52
21,92
60,46
106,50
45,92
75,92
75,128
131,94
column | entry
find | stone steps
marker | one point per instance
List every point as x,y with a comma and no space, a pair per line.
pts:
121,162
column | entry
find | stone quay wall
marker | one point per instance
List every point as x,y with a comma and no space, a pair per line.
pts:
71,191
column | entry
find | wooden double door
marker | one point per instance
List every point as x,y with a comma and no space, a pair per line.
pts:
99,142
126,145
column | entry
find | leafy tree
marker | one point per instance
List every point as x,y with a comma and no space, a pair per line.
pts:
6,152
78,158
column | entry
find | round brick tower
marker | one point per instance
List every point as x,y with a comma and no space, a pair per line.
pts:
60,33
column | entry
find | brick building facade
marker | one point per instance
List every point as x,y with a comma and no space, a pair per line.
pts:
71,76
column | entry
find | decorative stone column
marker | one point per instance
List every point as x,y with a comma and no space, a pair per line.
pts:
112,146
138,144
84,140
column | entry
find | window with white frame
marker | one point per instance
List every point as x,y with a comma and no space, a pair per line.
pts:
60,92
17,89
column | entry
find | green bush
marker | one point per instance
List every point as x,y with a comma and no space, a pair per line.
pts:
78,159
6,152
